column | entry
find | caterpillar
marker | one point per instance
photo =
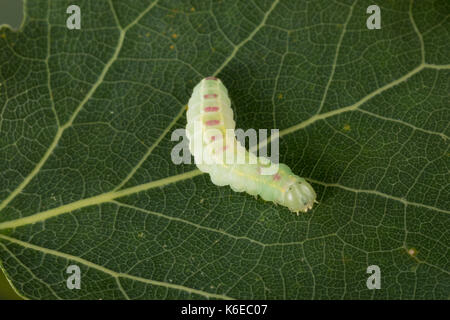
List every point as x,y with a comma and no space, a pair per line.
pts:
209,121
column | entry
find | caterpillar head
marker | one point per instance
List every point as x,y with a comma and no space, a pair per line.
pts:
300,196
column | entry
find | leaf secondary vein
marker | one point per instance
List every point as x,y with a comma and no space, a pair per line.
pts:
110,272
378,193
336,55
250,37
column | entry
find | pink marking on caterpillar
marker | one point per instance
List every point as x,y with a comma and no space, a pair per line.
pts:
210,96
211,109
211,78
212,122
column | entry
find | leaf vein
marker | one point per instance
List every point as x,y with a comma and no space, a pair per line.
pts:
110,272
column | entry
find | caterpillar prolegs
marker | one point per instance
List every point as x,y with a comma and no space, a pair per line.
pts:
209,116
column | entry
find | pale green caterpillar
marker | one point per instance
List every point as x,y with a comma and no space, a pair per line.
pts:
209,116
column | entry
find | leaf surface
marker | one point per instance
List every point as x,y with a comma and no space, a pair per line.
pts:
86,178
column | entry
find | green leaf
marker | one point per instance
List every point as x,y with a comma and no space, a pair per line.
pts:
86,177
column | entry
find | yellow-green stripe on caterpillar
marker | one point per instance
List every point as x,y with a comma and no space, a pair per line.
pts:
209,119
